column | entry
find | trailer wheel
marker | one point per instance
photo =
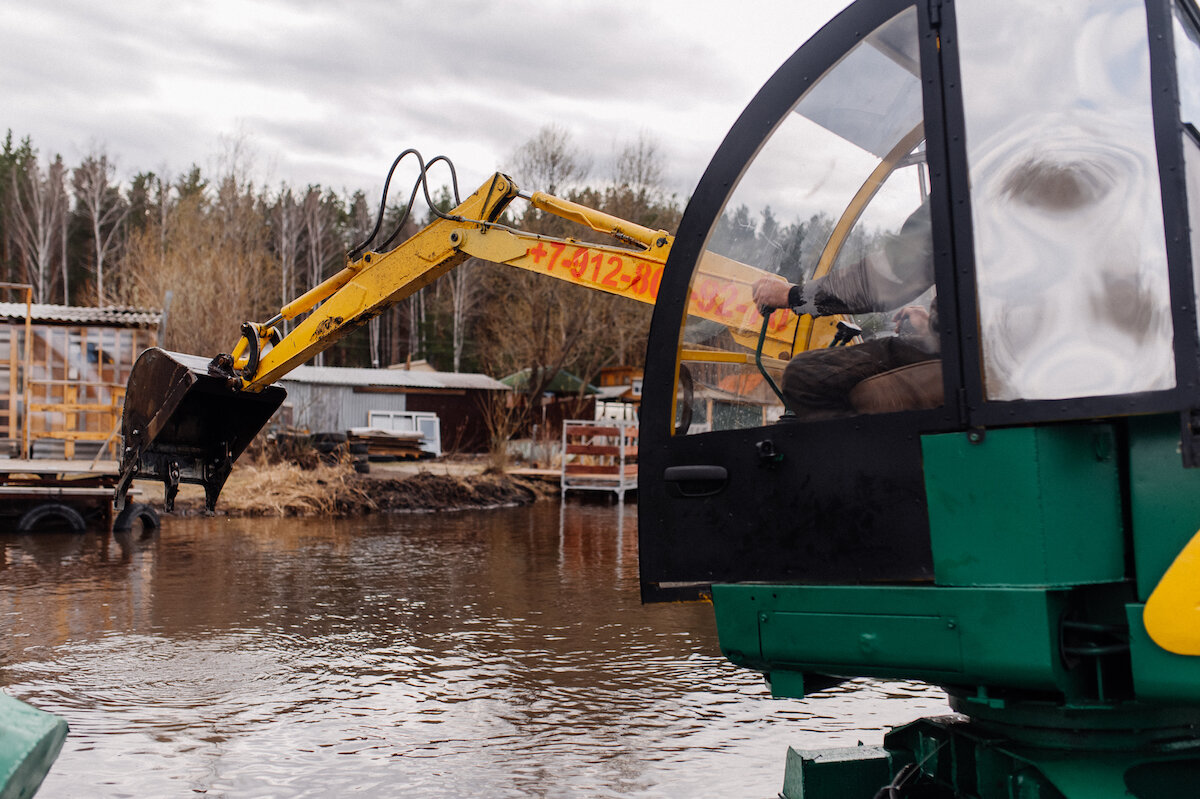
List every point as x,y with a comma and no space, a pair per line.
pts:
51,517
136,511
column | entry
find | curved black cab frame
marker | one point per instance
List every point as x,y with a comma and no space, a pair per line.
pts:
842,501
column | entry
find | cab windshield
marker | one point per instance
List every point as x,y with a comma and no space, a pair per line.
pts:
835,203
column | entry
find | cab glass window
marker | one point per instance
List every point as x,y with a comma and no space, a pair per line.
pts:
1070,253
1187,61
834,204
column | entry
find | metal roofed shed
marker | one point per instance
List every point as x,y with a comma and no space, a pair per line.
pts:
563,383
338,399
63,371
110,316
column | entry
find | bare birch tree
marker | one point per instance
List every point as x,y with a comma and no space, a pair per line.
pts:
38,213
319,214
549,161
464,297
103,210
287,231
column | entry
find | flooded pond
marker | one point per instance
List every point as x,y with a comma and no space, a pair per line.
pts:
497,653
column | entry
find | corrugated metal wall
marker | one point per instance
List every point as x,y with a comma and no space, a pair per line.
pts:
324,408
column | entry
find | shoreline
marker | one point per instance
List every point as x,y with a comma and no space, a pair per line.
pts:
282,490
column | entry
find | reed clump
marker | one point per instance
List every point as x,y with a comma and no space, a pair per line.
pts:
260,488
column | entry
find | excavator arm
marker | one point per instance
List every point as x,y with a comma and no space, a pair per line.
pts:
187,419
376,281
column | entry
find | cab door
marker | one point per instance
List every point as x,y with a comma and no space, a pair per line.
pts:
834,179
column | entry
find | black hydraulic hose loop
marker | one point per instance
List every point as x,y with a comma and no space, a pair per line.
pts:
412,195
453,176
387,182
250,333
422,182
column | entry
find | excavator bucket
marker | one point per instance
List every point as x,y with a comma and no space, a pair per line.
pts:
186,421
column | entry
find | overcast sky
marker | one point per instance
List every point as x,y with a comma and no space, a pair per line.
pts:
329,93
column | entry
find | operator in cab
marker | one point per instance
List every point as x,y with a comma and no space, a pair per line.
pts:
836,381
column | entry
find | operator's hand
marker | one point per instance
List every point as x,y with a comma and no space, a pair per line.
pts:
771,293
912,320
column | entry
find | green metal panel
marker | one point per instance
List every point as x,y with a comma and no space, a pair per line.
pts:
1164,498
836,773
977,635
883,641
1025,506
1157,673
30,740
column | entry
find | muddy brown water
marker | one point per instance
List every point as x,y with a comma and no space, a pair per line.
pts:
499,653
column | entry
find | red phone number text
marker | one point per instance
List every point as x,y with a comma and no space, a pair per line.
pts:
614,272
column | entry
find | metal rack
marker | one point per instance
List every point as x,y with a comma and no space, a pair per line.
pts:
599,456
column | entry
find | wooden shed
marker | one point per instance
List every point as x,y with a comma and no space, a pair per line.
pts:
337,399
63,371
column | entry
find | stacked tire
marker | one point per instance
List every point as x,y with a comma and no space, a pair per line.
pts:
359,452
331,446
336,447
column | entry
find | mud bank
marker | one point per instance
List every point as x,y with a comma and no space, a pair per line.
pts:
336,490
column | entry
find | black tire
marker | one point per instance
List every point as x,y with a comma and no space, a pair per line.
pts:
359,447
42,517
329,443
362,467
136,511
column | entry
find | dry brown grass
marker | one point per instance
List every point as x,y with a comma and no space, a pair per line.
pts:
257,488
260,488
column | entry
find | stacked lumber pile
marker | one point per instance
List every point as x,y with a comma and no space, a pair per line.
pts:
389,444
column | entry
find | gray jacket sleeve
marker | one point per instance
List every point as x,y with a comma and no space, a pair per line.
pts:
886,278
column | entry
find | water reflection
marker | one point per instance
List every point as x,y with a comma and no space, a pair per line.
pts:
499,653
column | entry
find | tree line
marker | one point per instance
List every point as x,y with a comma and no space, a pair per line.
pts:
214,248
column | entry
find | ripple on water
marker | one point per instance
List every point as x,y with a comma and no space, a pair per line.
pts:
493,654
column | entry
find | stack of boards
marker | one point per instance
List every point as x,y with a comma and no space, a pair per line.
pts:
389,444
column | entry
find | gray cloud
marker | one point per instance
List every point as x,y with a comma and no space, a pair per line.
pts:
329,94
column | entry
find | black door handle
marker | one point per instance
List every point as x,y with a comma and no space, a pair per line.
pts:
698,480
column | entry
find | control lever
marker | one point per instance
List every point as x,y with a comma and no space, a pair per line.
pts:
846,332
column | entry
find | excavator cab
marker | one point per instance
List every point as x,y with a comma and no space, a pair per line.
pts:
1005,199
827,168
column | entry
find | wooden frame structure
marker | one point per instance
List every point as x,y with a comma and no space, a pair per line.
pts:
63,372
13,354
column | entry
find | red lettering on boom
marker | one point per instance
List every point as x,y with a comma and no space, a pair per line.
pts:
579,262
558,248
610,277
